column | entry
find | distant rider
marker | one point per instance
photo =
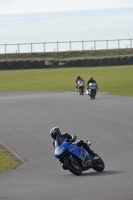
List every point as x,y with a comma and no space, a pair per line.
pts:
56,133
91,80
77,79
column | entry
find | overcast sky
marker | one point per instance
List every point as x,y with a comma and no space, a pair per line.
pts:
21,6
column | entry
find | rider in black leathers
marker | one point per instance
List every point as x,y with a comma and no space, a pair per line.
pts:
56,133
91,80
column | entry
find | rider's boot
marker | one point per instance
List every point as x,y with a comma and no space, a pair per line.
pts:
84,144
77,88
90,151
94,155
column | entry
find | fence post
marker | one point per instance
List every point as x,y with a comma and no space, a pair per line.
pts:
5,48
57,46
130,43
107,44
94,45
118,44
83,45
18,48
70,45
31,47
44,46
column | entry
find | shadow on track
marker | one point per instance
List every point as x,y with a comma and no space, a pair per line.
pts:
104,173
99,98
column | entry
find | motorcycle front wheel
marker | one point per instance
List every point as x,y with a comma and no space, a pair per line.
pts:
81,91
98,165
73,167
92,95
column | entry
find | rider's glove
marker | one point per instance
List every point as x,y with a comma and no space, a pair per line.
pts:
73,139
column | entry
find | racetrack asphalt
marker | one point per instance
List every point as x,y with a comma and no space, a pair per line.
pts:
25,121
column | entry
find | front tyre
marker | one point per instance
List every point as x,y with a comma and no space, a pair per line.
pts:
73,167
81,91
98,165
93,97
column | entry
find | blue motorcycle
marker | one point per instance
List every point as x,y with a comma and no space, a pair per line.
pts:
75,158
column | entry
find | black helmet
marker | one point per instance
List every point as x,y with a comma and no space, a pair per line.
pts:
78,77
55,131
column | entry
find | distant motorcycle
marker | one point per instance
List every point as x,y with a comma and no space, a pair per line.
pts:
76,159
92,90
80,85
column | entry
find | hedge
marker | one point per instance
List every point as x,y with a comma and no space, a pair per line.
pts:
103,62
34,64
96,62
130,60
124,61
110,61
117,61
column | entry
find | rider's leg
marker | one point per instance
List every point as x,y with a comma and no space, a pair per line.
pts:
83,143
77,87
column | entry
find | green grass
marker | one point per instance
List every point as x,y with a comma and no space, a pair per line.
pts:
7,161
67,55
115,80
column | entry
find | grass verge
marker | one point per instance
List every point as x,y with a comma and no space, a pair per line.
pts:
67,55
7,161
115,80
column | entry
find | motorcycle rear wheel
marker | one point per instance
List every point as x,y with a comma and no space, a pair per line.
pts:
98,165
73,168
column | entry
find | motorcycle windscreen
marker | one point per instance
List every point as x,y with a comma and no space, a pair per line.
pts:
80,83
59,141
93,86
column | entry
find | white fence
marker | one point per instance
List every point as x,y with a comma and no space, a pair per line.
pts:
65,46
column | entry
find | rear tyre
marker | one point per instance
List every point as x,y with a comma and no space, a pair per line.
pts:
98,165
73,167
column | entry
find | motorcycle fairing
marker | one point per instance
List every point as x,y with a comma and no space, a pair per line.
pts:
81,153
65,150
60,150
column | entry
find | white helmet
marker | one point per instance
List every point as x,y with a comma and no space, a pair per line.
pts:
90,78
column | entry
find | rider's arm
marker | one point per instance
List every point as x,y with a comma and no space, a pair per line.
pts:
82,79
67,135
72,138
53,143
